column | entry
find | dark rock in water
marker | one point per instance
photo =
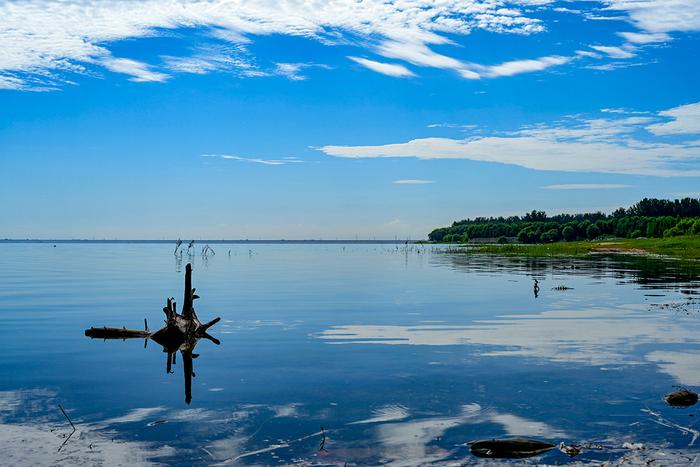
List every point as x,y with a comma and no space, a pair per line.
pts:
682,398
509,448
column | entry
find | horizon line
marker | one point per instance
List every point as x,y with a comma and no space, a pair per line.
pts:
147,240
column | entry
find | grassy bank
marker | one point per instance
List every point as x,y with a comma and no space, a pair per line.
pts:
686,247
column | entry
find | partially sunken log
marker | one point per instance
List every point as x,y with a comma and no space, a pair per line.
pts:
115,333
509,448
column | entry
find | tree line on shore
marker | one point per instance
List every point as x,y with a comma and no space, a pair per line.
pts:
653,218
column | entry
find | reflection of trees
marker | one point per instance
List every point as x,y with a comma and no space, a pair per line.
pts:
646,270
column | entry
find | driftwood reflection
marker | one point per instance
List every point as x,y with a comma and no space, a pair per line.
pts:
171,346
181,333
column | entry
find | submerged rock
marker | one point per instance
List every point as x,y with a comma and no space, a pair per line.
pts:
682,398
509,448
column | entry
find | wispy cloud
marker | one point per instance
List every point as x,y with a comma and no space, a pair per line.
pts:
516,67
215,58
284,161
620,144
585,186
614,51
140,72
645,38
419,54
413,182
389,69
290,70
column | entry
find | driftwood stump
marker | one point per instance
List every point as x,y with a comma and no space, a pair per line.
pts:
184,326
182,332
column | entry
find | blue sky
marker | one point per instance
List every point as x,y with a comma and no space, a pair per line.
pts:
255,119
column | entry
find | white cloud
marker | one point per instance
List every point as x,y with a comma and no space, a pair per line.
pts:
605,145
70,36
614,52
417,53
140,72
412,182
10,82
284,161
645,38
685,119
525,66
214,58
291,70
623,111
588,53
390,69
39,35
585,186
659,16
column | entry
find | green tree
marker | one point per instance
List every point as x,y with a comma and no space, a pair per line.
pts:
592,231
568,233
550,236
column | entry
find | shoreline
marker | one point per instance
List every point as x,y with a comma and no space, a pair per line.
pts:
683,248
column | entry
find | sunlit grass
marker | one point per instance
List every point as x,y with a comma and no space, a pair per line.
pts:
685,247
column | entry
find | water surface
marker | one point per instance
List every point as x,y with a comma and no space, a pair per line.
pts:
394,355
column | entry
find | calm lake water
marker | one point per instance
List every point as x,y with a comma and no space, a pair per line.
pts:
402,355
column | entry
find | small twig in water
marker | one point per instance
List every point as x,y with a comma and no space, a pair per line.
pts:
322,446
71,424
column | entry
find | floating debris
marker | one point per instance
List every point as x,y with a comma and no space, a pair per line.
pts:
688,306
571,451
562,288
695,434
681,398
156,422
509,448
